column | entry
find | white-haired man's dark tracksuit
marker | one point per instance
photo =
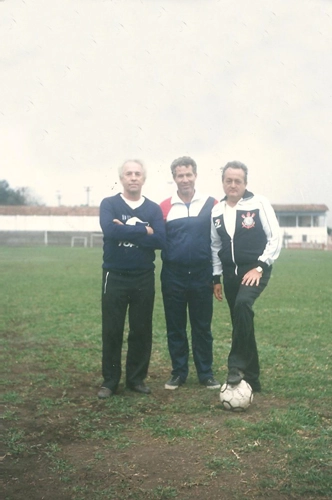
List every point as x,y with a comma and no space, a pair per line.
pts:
128,283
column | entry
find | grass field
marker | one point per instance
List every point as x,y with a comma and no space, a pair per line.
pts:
61,442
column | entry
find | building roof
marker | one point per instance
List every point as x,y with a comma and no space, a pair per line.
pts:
94,211
46,211
300,208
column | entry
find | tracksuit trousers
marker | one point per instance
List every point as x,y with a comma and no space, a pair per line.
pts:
185,290
135,291
243,354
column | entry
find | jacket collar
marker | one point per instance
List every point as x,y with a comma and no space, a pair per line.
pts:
176,199
247,194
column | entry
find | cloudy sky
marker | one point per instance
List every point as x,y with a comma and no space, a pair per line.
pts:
86,84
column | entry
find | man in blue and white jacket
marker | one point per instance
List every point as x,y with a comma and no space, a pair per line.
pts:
187,276
133,228
245,242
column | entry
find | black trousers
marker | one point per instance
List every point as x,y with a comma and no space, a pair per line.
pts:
134,291
243,354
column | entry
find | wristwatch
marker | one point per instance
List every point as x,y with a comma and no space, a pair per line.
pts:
259,269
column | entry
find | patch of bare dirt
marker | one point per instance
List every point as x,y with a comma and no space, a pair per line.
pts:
148,467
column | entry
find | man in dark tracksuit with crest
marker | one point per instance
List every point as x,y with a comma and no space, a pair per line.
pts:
245,241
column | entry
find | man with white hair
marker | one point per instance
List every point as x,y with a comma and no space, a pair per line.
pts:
133,228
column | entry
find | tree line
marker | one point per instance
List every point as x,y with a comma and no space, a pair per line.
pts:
19,196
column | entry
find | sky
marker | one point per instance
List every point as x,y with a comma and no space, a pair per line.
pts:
87,84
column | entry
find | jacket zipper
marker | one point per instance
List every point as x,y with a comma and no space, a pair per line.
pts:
188,215
105,284
233,256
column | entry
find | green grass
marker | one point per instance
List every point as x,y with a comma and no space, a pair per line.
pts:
169,445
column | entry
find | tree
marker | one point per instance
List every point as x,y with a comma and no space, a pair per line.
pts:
20,196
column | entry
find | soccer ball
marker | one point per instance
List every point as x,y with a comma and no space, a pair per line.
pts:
236,397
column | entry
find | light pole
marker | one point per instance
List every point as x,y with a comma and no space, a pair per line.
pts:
87,189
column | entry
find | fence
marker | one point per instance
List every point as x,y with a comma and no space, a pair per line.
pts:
310,246
50,238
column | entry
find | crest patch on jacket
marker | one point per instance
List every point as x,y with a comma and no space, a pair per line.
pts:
248,220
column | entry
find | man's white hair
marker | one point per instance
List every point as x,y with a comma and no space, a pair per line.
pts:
139,162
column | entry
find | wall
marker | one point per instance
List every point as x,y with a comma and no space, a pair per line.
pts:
316,235
49,223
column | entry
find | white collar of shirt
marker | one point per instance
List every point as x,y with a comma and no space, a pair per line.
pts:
133,204
230,218
176,198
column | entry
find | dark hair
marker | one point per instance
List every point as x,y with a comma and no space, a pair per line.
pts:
185,161
235,164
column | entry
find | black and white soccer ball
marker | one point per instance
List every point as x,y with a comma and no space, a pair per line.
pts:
236,397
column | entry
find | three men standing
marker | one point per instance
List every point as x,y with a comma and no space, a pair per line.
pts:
133,228
186,276
241,243
245,241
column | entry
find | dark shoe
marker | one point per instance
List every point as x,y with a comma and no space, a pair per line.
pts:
173,383
211,383
255,385
104,393
141,388
234,376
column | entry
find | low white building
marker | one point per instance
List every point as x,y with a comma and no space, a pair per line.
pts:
49,225
303,226
30,218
